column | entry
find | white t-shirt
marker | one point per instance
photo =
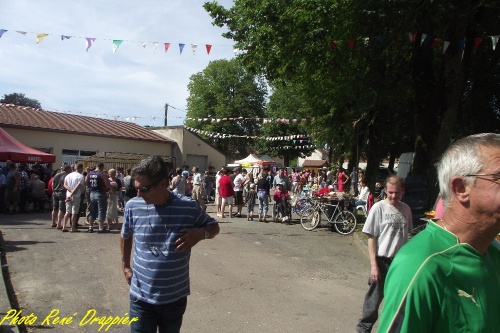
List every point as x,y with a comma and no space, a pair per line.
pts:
390,225
72,180
363,193
238,182
217,181
197,180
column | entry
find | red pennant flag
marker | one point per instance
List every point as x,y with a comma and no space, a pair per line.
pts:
351,43
166,47
209,47
334,45
477,41
435,41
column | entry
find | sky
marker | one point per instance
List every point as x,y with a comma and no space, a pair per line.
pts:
134,83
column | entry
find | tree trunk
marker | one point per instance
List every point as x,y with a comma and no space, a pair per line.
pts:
373,158
437,105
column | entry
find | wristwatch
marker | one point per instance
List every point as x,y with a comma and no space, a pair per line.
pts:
206,233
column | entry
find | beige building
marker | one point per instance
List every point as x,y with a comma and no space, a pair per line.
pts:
73,137
191,149
317,160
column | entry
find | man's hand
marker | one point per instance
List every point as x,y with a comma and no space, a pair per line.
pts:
374,274
190,237
128,274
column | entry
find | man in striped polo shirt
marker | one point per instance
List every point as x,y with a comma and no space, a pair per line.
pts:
162,227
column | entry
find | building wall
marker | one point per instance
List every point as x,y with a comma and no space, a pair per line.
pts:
315,155
59,141
190,144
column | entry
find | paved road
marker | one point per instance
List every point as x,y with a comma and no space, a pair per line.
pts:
253,277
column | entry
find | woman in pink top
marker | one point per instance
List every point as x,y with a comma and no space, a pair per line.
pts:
342,179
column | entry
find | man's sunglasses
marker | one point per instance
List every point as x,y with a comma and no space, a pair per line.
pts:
145,189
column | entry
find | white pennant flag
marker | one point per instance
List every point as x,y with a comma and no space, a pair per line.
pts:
446,44
193,47
422,39
494,40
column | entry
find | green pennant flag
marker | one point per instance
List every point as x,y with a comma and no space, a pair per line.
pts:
116,44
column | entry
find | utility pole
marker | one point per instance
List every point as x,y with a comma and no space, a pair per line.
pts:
166,114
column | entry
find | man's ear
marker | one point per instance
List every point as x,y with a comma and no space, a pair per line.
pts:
460,189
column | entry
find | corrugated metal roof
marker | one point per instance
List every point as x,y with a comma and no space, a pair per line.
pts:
29,118
314,163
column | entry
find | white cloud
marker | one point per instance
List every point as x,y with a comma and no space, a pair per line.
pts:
135,81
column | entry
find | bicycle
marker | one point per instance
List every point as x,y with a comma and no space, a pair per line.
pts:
343,221
303,204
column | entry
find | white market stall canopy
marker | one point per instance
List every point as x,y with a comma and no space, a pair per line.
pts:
249,160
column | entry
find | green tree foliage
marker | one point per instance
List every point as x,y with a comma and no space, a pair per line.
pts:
285,103
20,100
225,89
369,88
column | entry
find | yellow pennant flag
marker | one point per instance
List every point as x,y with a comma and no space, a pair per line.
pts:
40,37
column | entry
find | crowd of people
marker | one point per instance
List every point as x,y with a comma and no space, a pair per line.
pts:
102,193
442,280
68,192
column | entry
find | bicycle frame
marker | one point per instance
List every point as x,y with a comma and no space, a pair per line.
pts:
322,206
343,221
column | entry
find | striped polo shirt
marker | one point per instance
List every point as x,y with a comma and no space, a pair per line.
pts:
160,274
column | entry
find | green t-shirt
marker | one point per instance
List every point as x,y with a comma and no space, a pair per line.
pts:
436,284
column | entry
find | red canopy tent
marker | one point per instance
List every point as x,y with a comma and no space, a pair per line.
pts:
15,151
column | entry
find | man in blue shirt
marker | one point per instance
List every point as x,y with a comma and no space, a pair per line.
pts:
162,227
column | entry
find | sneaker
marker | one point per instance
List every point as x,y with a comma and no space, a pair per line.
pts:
102,231
91,230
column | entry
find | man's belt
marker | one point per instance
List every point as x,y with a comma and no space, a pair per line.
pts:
386,260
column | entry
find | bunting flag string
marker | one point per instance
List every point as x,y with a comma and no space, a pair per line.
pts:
297,138
162,118
285,121
426,40
115,42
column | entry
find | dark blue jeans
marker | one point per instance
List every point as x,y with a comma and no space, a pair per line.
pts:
167,318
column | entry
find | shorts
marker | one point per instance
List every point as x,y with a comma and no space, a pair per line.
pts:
238,198
59,202
217,198
73,206
12,196
227,201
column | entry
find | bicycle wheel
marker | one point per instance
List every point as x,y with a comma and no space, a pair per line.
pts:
311,221
345,222
302,206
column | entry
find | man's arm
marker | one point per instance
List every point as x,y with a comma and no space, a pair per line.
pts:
105,180
126,249
191,236
372,252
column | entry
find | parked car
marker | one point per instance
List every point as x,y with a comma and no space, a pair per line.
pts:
405,164
417,197
382,174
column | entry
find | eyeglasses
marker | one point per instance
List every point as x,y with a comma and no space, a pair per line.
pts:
495,176
145,189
